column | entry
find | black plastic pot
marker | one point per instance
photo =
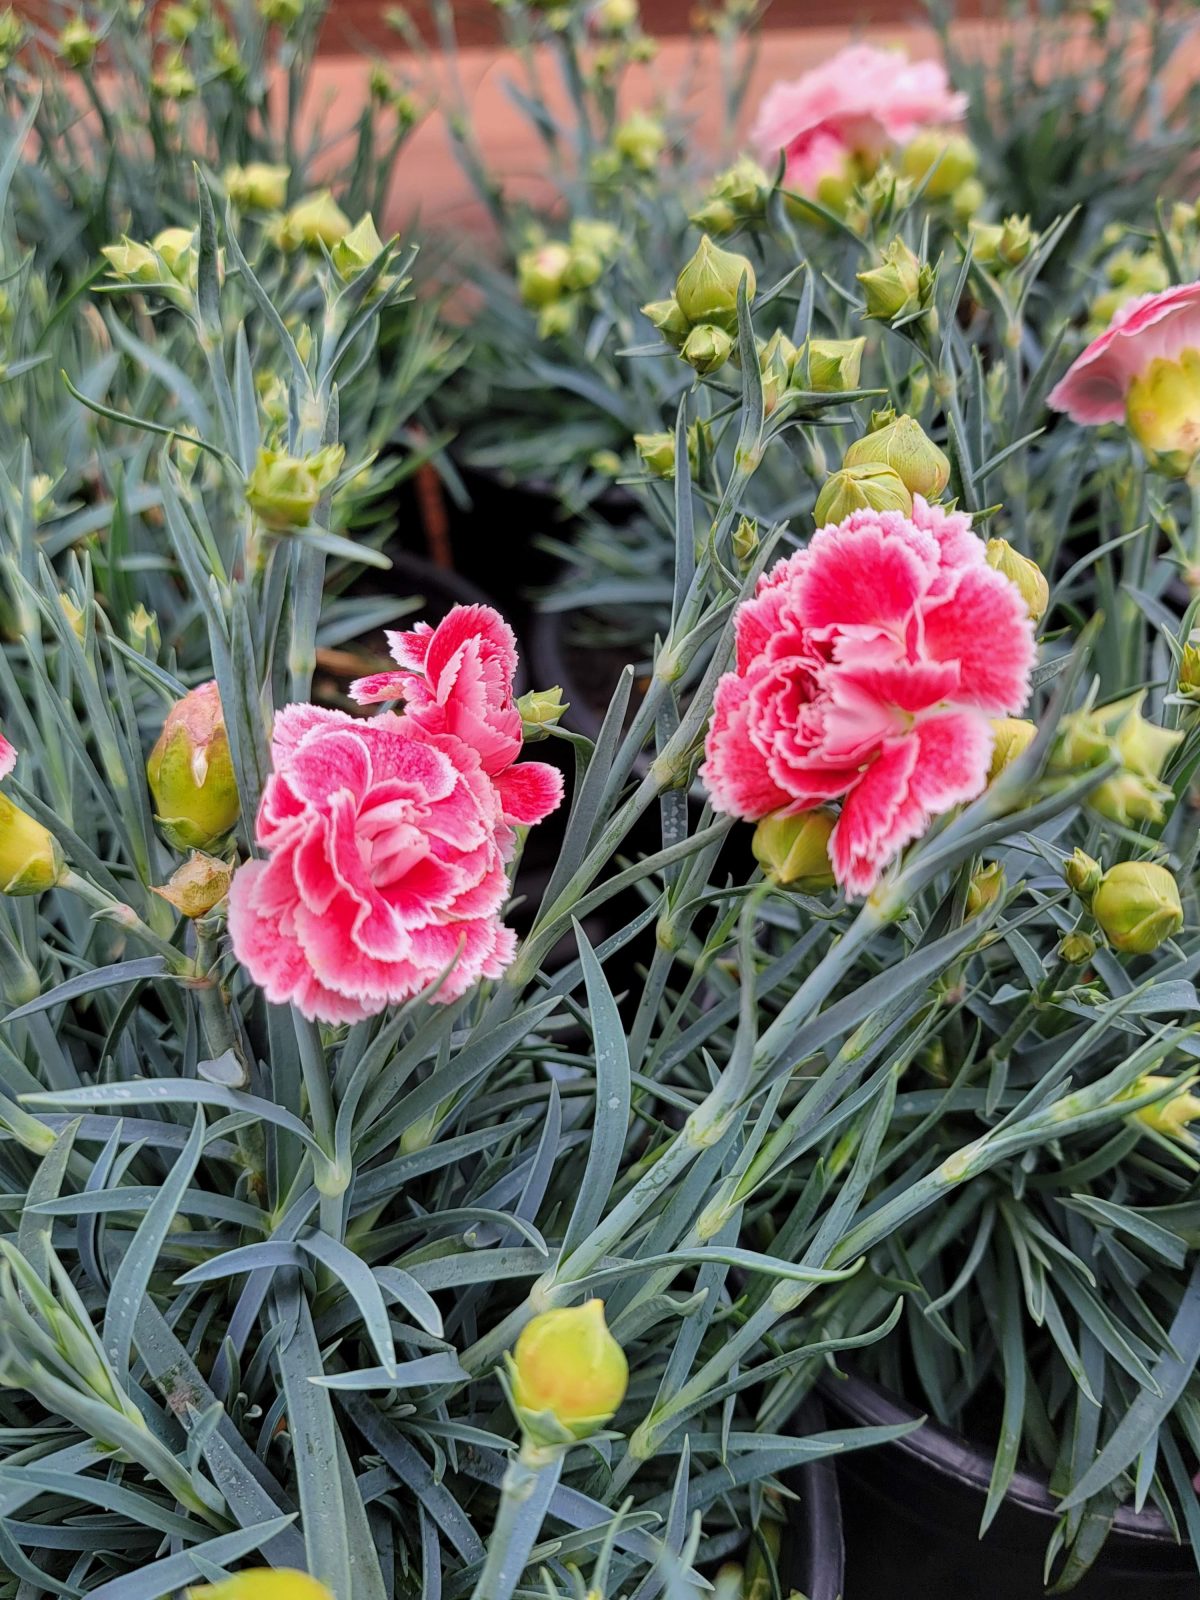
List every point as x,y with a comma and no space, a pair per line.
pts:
912,1510
812,1555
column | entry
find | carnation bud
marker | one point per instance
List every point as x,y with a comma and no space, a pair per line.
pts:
1118,730
284,490
669,320
176,248
828,366
30,859
142,631
1138,907
707,288
657,451
541,710
640,139
1188,682
540,272
197,886
985,242
1082,873
190,771
358,249
258,186
1162,406
737,194
41,496
986,886
568,1374
556,320
904,446
263,1583
1025,574
179,22
967,199
77,43
173,80
12,36
132,262
870,487
745,542
1127,799
897,287
1171,1114
793,850
706,348
615,16
594,236
1014,735
949,158
312,222
1077,948
1017,239
283,13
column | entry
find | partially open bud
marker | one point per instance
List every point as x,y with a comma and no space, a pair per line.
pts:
1014,735
872,487
258,186
905,447
197,886
314,221
669,320
1077,948
793,851
707,347
541,710
133,262
1083,874
1162,410
828,366
177,249
898,286
190,771
357,250
263,1583
707,288
568,1374
949,159
1017,239
142,630
1024,573
1188,682
540,272
1170,1115
77,43
657,451
285,490
986,886
737,195
640,139
1138,906
30,859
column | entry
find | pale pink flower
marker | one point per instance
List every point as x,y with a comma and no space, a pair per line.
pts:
862,101
1149,326
8,757
868,668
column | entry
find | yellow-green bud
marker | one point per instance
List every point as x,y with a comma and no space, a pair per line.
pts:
1077,948
738,193
314,221
30,859
177,249
1014,735
283,13
568,1374
657,451
179,22
541,710
594,237
669,320
12,36
1188,682
707,288
41,496
1026,575
707,347
356,251
745,542
540,272
556,320
1138,907
904,446
898,286
828,366
985,242
870,487
793,851
967,199
986,886
1171,1114
142,631
285,490
1143,746
133,262
615,16
1083,874
949,159
715,216
77,43
1017,239
197,886
640,139
1127,798
173,80
190,771
258,186
263,1583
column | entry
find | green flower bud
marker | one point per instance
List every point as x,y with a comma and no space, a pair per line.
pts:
904,446
1188,682
1143,746
775,361
258,186
985,887
715,216
358,249
556,320
190,772
133,263
640,139
312,222
197,886
283,13
738,194
77,43
615,16
142,632
1171,1114
967,199
1025,574
173,80
1091,738
1017,239
707,347
657,451
897,287
828,366
284,490
985,242
949,158
793,851
669,320
12,36
41,497
176,248
745,542
1077,948
707,288
541,271
596,237
1138,907
870,487
1014,735
568,1374
30,859
1127,799
541,710
1083,874
179,22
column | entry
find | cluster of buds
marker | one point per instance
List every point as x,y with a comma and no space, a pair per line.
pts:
1023,573
1128,273
258,186
793,849
946,163
883,470
1118,732
737,195
900,286
1137,906
819,366
638,143
397,97
284,490
190,772
168,263
567,1375
1002,244
700,319
554,273
657,450
312,222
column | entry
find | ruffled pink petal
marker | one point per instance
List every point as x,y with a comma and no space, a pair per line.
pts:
735,772
8,757
529,792
878,819
984,627
870,570
377,686
1094,387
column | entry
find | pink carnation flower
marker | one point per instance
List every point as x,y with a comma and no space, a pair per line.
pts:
1096,384
8,757
387,838
861,101
868,669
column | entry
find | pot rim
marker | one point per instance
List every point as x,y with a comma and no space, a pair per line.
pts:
820,1514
